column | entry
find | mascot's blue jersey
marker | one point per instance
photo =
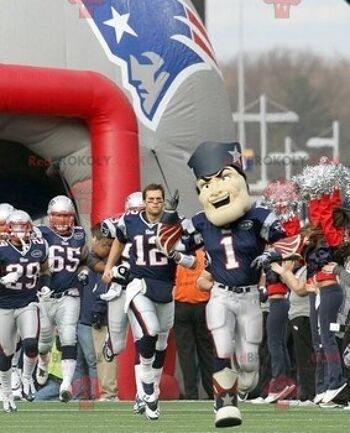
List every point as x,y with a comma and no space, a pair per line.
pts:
27,264
65,255
232,248
146,261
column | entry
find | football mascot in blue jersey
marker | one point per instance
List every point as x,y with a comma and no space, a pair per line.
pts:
233,232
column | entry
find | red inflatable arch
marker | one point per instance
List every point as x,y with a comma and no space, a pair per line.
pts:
113,129
106,111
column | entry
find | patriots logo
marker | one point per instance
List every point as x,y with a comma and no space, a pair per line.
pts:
157,43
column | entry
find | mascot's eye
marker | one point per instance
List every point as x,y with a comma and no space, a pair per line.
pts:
203,186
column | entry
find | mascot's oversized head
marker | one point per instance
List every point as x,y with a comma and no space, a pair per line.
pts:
223,191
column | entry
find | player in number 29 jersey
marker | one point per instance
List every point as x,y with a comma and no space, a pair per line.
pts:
24,268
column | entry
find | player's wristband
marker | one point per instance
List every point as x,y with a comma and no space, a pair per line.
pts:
185,260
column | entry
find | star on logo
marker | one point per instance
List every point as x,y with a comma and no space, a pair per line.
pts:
236,156
120,25
227,400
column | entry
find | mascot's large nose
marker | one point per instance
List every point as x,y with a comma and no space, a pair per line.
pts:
215,187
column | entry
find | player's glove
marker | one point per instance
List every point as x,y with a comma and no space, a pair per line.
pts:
83,277
96,320
170,215
10,278
113,292
169,230
263,261
45,293
121,274
266,258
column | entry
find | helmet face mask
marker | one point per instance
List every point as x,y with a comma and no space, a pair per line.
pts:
19,227
61,215
62,223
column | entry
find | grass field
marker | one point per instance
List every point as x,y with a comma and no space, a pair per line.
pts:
176,417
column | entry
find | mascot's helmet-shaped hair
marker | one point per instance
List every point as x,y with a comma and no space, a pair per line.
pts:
211,157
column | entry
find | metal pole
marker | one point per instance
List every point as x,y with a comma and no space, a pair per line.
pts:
263,139
336,141
288,152
241,96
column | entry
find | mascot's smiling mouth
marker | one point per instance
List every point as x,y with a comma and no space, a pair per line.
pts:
222,202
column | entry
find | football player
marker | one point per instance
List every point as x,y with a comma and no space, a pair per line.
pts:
148,301
24,269
115,296
233,232
5,210
60,303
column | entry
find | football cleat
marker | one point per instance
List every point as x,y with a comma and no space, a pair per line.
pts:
41,375
28,389
139,406
108,351
228,416
152,411
65,394
8,404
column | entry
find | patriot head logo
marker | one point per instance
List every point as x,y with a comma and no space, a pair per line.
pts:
157,44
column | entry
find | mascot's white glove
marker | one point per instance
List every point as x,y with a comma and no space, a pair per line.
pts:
45,293
83,277
10,278
113,292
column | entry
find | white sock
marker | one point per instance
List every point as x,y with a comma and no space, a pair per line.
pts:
5,380
68,367
146,372
29,366
139,388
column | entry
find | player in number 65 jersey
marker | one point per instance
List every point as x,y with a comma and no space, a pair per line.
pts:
60,305
24,269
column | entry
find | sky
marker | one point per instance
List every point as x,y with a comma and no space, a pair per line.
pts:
320,25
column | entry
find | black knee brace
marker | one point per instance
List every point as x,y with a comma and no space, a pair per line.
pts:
146,346
69,352
159,359
30,347
5,361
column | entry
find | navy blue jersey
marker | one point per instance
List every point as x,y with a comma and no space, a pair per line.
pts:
232,248
65,256
146,261
27,264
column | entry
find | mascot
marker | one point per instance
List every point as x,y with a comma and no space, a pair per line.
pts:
233,232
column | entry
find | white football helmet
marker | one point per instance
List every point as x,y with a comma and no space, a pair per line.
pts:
20,226
134,201
5,211
61,214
